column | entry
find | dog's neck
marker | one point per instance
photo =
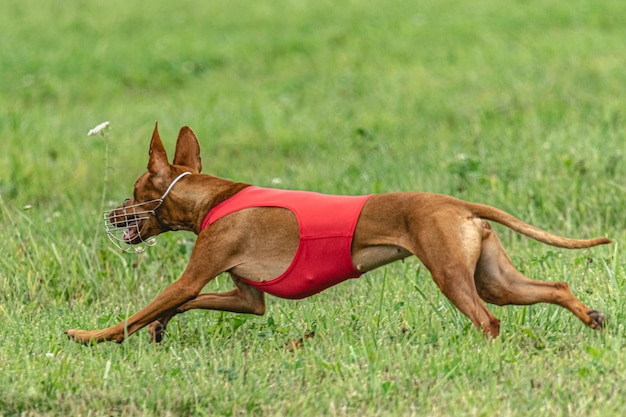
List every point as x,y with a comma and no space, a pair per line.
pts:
189,202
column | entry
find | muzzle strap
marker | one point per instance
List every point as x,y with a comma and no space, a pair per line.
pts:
173,183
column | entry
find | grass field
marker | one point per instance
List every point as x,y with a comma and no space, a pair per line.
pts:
519,105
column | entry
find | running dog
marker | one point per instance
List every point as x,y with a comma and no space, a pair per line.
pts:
293,244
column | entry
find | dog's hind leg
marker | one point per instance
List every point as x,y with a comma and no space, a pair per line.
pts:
243,299
457,285
450,254
498,282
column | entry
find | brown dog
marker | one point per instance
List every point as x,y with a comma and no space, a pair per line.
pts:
259,242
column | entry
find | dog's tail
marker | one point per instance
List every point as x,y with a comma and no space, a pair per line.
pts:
510,221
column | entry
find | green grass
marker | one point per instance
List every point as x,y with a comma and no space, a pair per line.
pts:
517,105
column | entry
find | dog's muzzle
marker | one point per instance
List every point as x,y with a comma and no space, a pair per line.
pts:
126,224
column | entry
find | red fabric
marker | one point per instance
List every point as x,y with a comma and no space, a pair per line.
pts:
326,223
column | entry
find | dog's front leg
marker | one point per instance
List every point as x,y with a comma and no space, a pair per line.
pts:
171,298
243,299
208,259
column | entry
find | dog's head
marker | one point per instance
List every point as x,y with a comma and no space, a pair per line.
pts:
134,225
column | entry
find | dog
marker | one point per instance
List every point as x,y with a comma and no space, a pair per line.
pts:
294,244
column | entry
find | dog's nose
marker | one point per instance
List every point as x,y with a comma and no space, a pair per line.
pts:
117,217
120,216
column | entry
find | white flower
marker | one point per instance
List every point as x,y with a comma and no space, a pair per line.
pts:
98,130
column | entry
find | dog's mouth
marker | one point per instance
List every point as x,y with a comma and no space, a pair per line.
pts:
125,225
131,232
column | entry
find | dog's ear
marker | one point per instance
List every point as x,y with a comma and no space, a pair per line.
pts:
188,150
157,162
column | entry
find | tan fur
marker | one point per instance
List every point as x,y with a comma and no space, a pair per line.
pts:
451,238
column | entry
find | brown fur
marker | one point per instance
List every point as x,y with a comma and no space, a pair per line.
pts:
451,237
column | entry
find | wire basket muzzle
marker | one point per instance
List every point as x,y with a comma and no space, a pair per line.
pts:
126,224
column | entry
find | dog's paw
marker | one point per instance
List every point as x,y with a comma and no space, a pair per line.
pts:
597,319
156,330
88,337
80,336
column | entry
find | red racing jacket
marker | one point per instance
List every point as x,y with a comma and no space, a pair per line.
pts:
326,224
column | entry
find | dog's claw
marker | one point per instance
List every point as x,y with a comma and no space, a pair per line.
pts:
597,319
